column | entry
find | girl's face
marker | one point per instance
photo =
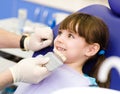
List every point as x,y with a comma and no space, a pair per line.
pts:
71,45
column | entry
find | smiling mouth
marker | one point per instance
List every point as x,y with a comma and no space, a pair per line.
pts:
60,49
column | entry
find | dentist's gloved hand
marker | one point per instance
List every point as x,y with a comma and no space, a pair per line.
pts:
30,70
41,38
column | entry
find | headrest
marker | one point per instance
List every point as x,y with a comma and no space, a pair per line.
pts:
115,6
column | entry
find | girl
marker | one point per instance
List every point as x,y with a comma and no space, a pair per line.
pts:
81,38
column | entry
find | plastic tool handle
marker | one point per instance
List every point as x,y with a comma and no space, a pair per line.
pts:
54,62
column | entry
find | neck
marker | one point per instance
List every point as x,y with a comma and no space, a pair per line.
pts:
77,67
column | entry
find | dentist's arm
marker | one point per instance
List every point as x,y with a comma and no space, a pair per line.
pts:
33,42
5,79
9,39
31,70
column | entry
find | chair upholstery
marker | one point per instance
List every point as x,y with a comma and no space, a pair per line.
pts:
111,16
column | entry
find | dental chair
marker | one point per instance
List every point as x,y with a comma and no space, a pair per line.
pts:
111,16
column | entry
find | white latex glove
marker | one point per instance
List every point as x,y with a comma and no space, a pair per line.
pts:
30,70
41,38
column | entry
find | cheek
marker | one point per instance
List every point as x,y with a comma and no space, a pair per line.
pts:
75,51
72,54
55,41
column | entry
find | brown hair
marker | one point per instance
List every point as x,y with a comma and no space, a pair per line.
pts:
94,30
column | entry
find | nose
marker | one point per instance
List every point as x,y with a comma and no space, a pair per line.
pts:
60,38
109,63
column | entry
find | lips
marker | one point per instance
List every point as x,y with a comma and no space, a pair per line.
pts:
60,49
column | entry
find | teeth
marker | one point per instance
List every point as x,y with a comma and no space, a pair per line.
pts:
59,54
61,49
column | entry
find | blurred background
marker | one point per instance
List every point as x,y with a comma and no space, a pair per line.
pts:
44,11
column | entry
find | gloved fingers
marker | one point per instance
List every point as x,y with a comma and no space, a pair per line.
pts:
46,43
41,60
41,45
39,69
40,30
44,71
37,44
25,60
40,73
45,32
46,35
36,60
41,38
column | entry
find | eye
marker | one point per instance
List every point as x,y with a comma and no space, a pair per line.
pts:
59,32
71,36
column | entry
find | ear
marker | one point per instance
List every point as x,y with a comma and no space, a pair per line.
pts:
92,49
